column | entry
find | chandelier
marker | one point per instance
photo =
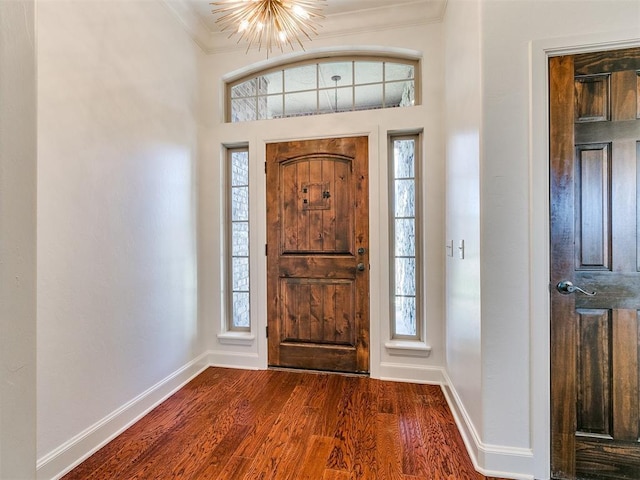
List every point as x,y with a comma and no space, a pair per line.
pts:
269,23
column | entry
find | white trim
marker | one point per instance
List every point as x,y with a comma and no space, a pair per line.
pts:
71,453
399,372
288,59
236,338
490,460
408,348
242,360
540,51
367,20
190,21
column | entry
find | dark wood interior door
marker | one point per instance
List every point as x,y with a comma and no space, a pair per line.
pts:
318,254
594,179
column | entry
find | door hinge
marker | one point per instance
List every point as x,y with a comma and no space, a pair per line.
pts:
265,167
267,331
266,249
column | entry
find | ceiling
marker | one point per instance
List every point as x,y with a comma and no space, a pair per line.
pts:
334,8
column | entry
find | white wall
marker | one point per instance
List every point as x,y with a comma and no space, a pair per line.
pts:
121,89
118,115
513,419
17,240
463,105
423,40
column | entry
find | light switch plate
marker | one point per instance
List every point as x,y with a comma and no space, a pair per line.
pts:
449,247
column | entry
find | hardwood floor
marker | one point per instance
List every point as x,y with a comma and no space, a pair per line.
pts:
239,424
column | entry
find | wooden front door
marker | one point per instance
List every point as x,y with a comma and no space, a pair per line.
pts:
595,207
318,254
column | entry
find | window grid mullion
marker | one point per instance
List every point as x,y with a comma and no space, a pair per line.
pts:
238,110
238,308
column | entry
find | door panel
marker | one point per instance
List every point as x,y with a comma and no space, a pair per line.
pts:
594,180
318,233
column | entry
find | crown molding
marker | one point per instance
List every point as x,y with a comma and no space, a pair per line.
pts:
190,21
336,25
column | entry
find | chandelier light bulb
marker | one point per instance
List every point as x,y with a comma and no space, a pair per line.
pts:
301,12
269,23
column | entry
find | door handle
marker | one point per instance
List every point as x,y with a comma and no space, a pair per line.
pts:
361,267
565,287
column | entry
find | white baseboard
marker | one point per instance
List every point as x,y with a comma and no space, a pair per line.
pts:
63,459
489,460
248,361
399,372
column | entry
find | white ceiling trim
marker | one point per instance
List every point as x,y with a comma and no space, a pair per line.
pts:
191,22
336,25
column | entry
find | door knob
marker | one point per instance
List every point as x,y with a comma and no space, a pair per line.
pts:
361,267
565,287
362,251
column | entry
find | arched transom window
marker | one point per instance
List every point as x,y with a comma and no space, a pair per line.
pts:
328,85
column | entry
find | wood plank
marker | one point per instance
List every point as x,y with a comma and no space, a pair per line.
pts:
314,458
329,216
341,457
315,216
594,375
335,475
365,463
388,442
624,197
611,461
602,132
329,320
620,292
316,312
342,204
233,424
625,375
592,98
607,61
236,467
414,447
624,91
284,435
563,335
304,312
593,232
292,196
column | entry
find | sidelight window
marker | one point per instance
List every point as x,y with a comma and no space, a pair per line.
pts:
239,318
405,237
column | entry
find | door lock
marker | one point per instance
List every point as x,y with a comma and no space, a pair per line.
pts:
362,251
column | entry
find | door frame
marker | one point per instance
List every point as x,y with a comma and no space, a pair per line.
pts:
375,240
539,211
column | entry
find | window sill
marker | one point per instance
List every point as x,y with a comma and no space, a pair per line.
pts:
408,348
236,338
